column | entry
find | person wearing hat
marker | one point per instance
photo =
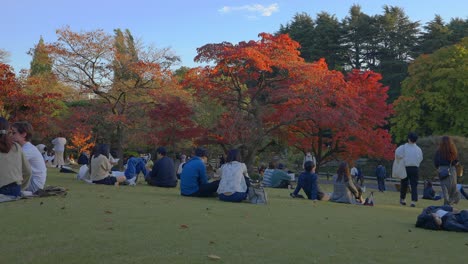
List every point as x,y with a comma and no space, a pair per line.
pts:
163,173
193,179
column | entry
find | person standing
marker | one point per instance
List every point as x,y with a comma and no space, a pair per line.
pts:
412,157
446,157
381,174
15,169
22,134
193,180
163,173
59,148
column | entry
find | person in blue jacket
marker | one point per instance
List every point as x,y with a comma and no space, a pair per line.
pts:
308,181
193,179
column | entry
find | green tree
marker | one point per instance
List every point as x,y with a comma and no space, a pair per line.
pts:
397,41
436,36
433,99
301,29
359,33
41,63
327,41
458,29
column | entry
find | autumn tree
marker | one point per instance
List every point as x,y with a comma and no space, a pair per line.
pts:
343,117
433,97
18,105
251,81
88,61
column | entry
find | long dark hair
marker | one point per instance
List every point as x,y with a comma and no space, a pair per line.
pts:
447,149
6,142
101,149
233,155
343,172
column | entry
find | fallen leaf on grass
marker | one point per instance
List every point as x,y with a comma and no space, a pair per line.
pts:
380,236
183,226
108,212
212,242
63,208
213,257
110,228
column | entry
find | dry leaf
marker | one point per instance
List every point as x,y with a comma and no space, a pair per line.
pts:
214,257
183,226
108,212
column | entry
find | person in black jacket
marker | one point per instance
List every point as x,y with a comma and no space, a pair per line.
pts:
163,173
446,158
443,218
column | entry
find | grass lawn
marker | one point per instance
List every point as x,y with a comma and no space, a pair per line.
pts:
143,224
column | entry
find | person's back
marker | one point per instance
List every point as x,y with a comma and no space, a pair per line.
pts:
163,173
193,174
15,167
280,179
100,167
38,167
267,175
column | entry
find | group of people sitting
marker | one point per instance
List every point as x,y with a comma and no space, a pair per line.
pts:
23,170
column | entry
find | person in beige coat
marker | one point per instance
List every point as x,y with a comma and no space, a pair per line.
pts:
15,169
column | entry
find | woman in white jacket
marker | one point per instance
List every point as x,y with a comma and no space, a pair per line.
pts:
235,181
412,156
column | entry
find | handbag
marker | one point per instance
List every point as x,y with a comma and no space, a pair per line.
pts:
398,169
257,195
444,172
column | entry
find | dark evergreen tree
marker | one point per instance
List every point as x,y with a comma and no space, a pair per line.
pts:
327,41
301,29
436,35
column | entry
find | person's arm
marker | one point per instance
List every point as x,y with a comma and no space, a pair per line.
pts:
202,173
26,167
314,187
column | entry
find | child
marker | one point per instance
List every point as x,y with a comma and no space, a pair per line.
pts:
429,192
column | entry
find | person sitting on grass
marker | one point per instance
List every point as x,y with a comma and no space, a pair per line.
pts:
344,190
15,169
100,169
193,180
163,173
429,192
279,178
135,166
268,174
22,133
443,218
235,180
308,181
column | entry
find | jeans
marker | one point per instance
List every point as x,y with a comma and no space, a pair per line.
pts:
206,190
412,177
235,197
381,183
12,189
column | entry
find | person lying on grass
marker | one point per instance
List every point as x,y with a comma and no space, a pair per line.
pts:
100,169
308,181
443,218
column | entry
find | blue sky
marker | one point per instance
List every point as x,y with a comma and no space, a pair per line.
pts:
183,25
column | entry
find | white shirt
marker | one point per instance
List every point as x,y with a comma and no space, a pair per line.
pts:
354,171
59,144
232,177
38,167
410,153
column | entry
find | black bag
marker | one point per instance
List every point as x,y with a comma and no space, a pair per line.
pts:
444,172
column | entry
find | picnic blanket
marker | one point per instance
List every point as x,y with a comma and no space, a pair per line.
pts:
46,192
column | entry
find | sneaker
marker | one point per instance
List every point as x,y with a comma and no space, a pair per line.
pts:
402,202
413,205
296,195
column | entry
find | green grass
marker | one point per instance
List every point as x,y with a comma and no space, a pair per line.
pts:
142,224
